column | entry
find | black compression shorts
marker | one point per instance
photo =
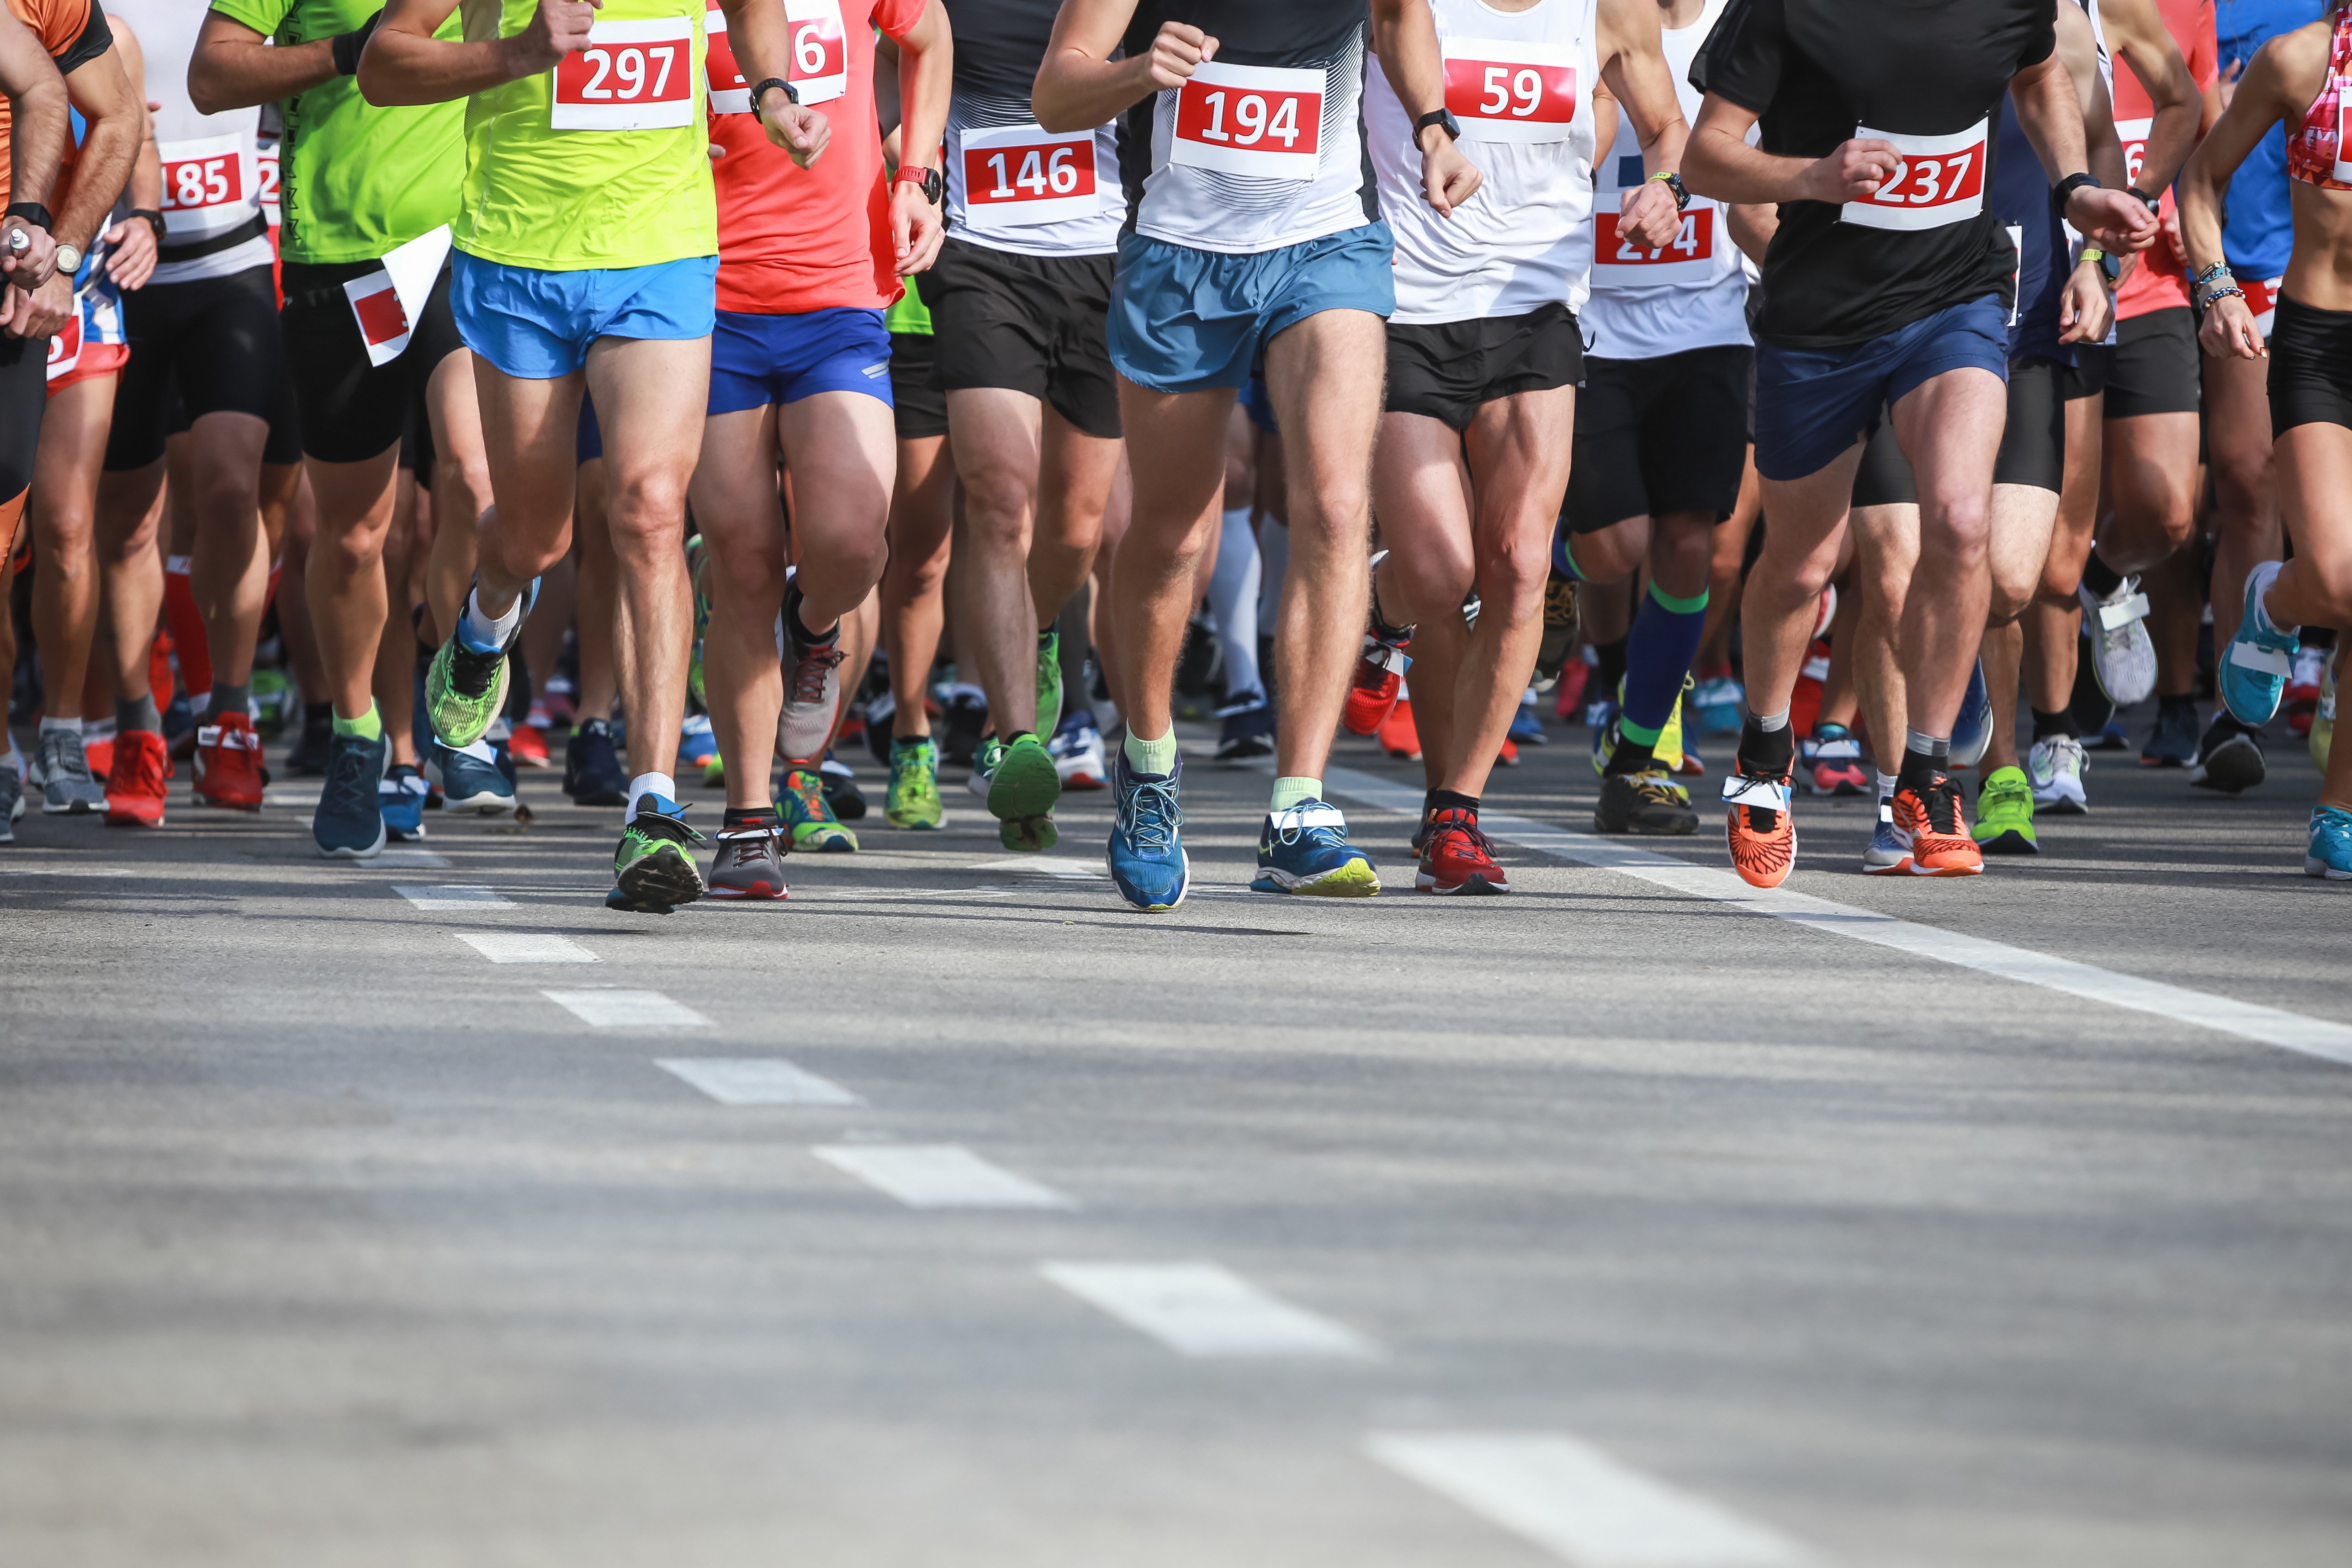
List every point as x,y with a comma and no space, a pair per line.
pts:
1030,324
2153,368
2033,447
213,343
1660,435
354,410
2088,378
2311,366
921,408
24,394
1447,372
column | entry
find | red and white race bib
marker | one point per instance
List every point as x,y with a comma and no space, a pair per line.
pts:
386,303
633,76
1625,262
265,167
2262,299
209,184
1940,181
2133,135
65,348
1511,90
729,93
1265,122
820,62
2343,86
1016,176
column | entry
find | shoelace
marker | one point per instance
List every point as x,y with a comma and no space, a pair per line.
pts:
1460,825
654,824
808,788
1151,816
1653,789
1942,800
809,671
349,791
1290,832
471,674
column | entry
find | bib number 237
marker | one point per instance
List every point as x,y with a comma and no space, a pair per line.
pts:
633,76
1940,181
1261,120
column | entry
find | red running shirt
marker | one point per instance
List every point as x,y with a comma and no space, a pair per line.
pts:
791,240
2158,282
2315,153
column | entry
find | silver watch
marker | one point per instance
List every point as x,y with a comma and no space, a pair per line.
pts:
68,259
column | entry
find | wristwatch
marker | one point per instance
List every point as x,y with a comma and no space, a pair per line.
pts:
155,221
2064,191
761,92
68,259
1444,120
934,183
1674,183
2111,268
33,213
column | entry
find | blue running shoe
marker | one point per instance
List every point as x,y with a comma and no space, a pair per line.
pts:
2173,742
1304,848
470,779
2330,855
1972,731
696,743
1720,704
348,826
592,774
1527,726
1889,853
401,797
2254,670
1146,845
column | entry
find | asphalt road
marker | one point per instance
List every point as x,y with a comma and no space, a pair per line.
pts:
1624,1221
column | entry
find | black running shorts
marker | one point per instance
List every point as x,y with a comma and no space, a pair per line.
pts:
1028,324
1660,435
2033,447
354,410
24,394
2311,366
2153,368
1445,371
2088,378
920,406
213,343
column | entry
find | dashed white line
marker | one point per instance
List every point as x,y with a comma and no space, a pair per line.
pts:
406,860
1207,1310
617,1009
939,1176
67,871
1577,1502
453,897
756,1081
1046,866
525,947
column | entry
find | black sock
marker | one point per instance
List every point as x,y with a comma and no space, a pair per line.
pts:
797,632
1919,768
1014,738
1767,754
317,715
2099,577
1612,666
758,816
2059,723
1449,800
1631,756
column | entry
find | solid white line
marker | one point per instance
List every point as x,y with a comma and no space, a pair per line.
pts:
1205,1309
627,1010
939,1176
67,871
1577,1502
406,860
1044,866
2247,1020
756,1081
525,947
452,897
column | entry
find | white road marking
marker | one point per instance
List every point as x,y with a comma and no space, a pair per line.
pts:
1579,1503
452,897
939,1176
1044,866
627,1010
525,947
2247,1020
289,797
756,1081
407,860
1205,1309
67,871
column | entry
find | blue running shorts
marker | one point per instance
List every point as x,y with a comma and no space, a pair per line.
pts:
1812,405
1185,321
759,359
536,326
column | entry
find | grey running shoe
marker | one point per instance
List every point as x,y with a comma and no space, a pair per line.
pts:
65,784
2122,657
12,802
750,863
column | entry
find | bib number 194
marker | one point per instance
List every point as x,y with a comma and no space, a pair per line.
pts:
1262,121
633,76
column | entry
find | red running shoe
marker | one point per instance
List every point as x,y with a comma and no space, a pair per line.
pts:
1379,677
99,755
1763,836
1455,858
1508,756
1937,823
228,763
134,785
529,745
1399,736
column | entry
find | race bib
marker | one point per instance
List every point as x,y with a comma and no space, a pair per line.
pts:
265,165
1940,181
2262,299
2343,87
1505,89
633,76
2016,274
729,93
65,348
2133,135
209,184
386,303
1016,176
1625,262
1264,122
820,63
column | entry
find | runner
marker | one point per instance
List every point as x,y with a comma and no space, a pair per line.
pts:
36,144
1253,236
1888,284
799,372
914,583
2298,79
587,251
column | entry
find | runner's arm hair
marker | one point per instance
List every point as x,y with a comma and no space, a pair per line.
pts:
2284,75
41,123
1079,85
145,187
1633,65
1719,161
2137,35
404,64
236,68
115,117
1404,37
2049,112
762,39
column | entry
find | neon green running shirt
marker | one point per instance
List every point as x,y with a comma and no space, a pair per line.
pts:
603,161
356,181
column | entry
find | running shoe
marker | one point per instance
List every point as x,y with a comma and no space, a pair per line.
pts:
349,824
814,829
652,867
714,771
1831,762
1248,731
561,697
1889,853
1399,738
2054,769
66,788
592,774
1719,703
1455,858
1304,848
1601,719
1972,729
529,744
402,797
1937,826
1812,682
466,691
1669,750
2173,742
2323,721
135,791
2301,699
1373,691
1507,755
1146,857
1049,682
12,802
1574,676
469,779
2253,673
812,686
1648,804
841,791
1763,834
1022,791
1559,630
750,861
1526,727
1077,749
2004,822
2122,659
2330,852
97,748
697,745
2228,756
228,763
983,765
913,800
308,760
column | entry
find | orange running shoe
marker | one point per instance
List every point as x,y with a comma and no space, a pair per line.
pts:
529,744
1762,834
134,785
228,763
1936,819
1508,755
1399,736
1379,677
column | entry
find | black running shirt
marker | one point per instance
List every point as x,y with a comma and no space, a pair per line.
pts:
1010,186
1928,74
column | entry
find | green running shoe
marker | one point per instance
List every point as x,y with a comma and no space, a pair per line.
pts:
2004,823
654,871
815,830
1049,680
466,691
1022,790
914,797
983,765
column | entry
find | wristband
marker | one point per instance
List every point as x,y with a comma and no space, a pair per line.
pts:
1674,183
1441,118
33,213
934,184
2110,268
2064,191
349,46
154,220
2214,296
761,92
2153,203
2218,269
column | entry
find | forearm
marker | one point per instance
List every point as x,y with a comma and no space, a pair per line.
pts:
2051,118
225,74
1726,167
107,152
1752,229
1074,92
403,68
41,128
926,77
2200,213
1404,37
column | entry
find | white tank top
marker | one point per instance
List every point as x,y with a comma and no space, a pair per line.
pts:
213,223
1520,84
1694,293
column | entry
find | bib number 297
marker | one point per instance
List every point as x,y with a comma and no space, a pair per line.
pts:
633,76
1261,120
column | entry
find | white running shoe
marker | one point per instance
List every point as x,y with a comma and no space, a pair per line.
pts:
811,695
2122,656
2055,767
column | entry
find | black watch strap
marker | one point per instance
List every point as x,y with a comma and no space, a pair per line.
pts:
349,46
33,213
2153,203
155,221
2064,191
760,90
1444,120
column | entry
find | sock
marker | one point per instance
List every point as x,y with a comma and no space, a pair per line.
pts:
1631,753
1886,786
368,726
1014,738
1289,792
1613,665
137,713
2169,705
2268,573
2059,723
1382,627
187,627
1768,748
62,726
1448,800
227,699
318,713
756,816
1924,756
2099,577
1233,599
804,639
1563,557
1658,653
901,743
1154,758
480,632
661,787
